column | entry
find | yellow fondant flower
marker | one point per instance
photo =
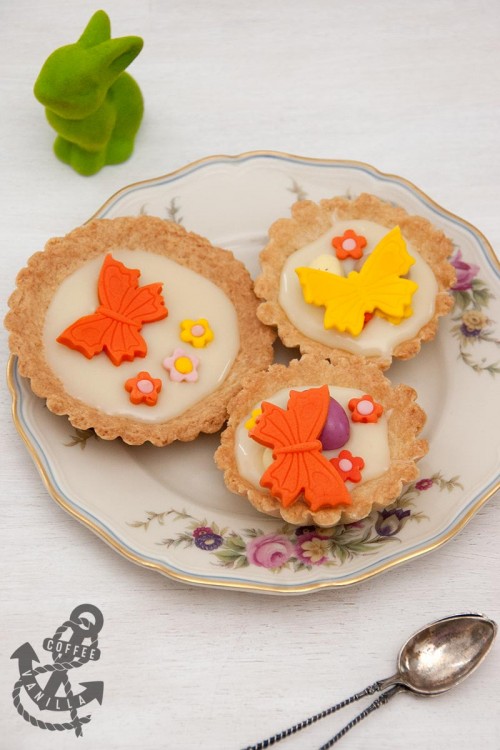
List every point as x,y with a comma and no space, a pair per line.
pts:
253,418
196,332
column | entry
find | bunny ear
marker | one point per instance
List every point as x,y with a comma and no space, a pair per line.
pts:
97,30
117,54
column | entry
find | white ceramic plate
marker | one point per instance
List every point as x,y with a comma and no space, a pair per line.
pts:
168,508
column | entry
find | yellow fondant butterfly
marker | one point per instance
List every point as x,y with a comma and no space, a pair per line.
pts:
377,288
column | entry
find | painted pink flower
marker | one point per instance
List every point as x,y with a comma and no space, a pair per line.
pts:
424,484
466,272
270,551
202,530
312,548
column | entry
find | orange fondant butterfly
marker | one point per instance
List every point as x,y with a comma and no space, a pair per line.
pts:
124,308
299,468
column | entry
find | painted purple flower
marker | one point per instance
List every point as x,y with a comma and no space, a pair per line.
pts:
208,541
270,551
389,522
312,548
468,333
424,484
466,272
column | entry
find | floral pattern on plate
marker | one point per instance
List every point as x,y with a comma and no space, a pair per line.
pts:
472,297
299,548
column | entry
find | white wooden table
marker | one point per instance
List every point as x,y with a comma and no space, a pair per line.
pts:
412,88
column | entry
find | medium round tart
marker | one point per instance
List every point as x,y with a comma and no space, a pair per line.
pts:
355,278
321,443
137,328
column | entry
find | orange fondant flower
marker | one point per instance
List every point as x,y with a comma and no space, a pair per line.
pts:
349,245
348,466
143,389
365,409
196,332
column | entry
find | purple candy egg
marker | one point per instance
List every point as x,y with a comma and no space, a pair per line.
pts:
336,430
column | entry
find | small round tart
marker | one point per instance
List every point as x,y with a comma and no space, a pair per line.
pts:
355,277
138,329
321,443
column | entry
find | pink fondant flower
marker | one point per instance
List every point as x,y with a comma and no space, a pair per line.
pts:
270,551
182,366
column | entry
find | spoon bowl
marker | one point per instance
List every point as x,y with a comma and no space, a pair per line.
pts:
444,653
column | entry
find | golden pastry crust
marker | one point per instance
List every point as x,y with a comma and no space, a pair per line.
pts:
405,421
37,283
309,221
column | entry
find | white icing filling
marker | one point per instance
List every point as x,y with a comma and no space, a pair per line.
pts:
187,295
379,337
369,441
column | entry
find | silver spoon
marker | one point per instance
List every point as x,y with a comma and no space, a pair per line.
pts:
432,661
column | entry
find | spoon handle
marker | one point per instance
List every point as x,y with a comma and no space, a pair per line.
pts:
370,690
380,701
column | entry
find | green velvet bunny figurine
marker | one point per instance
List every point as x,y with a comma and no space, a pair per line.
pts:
93,105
